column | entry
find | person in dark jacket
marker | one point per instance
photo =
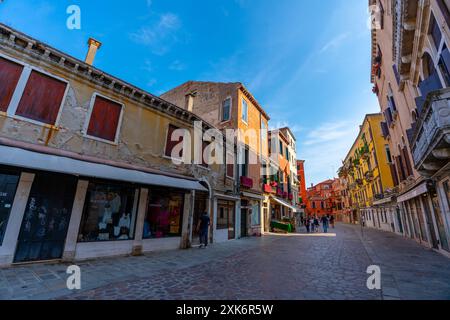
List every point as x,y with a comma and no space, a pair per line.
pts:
203,227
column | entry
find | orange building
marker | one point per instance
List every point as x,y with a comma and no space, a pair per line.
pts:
303,195
320,199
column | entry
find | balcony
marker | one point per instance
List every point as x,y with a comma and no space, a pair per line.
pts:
427,86
246,182
267,188
430,142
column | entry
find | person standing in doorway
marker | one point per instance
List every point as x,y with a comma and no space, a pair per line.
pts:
203,227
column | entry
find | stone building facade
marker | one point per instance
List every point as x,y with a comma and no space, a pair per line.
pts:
410,74
86,162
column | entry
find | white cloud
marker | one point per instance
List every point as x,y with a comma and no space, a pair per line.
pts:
160,35
177,65
335,42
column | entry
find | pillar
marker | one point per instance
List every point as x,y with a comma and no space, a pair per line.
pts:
7,250
75,220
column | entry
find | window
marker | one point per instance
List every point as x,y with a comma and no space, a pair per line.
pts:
287,153
109,214
281,148
230,165
164,214
9,77
244,111
226,217
42,98
245,162
205,157
435,32
8,185
226,109
444,65
263,135
105,119
388,154
172,141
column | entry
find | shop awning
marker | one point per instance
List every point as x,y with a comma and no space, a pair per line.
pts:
39,161
284,203
417,191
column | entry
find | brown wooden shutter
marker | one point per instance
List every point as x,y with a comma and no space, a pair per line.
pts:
394,174
400,169
42,98
171,144
9,77
104,119
230,170
407,161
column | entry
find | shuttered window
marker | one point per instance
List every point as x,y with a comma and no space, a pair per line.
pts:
9,77
171,142
105,118
230,165
407,161
42,98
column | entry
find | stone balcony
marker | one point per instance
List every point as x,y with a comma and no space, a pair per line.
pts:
430,142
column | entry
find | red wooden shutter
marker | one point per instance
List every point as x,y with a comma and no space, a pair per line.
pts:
171,144
42,98
105,119
9,77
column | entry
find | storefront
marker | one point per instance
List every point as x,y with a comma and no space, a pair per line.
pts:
86,210
251,219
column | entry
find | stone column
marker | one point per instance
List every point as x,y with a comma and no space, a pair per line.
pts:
188,217
214,220
7,250
138,232
75,220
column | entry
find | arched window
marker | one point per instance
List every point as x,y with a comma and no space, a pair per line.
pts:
427,65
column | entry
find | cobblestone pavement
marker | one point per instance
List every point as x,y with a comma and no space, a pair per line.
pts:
272,267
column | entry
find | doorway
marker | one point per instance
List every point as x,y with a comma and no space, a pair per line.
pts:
244,229
434,241
200,206
46,219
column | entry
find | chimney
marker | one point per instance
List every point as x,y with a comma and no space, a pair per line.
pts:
190,101
94,45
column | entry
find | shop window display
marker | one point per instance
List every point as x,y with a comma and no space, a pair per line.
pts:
164,214
109,213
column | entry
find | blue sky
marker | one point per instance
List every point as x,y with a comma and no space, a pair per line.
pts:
306,62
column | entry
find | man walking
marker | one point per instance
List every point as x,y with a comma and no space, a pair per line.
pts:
203,227
325,224
307,224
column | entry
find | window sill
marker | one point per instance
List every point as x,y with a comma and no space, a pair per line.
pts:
113,143
35,122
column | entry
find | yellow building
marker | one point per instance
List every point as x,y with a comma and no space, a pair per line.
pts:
368,172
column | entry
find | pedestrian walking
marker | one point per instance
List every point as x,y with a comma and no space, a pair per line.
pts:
325,223
307,224
332,221
316,224
203,227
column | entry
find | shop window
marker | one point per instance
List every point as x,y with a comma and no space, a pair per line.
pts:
226,217
226,109
109,213
164,214
42,98
8,186
9,77
105,119
171,142
256,216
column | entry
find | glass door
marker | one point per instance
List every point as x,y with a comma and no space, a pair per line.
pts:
46,218
8,185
